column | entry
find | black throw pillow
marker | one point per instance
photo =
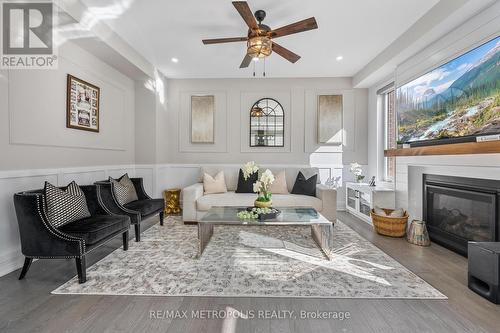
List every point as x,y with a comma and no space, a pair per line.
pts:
246,186
305,186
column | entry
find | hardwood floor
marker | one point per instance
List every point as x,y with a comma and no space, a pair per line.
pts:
28,306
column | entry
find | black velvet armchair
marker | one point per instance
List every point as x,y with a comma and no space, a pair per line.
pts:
41,240
138,210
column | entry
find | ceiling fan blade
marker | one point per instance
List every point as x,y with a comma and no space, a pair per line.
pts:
245,12
246,61
285,53
304,25
224,40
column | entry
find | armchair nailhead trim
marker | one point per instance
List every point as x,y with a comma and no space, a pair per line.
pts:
57,233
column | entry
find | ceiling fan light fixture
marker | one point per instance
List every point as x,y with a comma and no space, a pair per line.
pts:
259,47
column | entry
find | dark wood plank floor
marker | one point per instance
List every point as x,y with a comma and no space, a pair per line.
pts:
28,306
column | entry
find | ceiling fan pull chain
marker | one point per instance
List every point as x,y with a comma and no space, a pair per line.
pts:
253,68
264,73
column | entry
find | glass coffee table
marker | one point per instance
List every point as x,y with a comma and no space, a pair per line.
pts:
321,228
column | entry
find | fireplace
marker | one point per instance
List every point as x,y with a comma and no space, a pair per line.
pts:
458,210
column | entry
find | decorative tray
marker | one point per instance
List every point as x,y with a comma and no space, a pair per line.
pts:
262,216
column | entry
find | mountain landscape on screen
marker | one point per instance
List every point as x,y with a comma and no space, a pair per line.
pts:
459,98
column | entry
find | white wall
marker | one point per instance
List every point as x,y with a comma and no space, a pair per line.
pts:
472,33
237,97
234,98
33,116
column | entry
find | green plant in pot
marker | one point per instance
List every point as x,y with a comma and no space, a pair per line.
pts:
262,187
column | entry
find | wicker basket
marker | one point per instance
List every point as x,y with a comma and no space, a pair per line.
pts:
389,226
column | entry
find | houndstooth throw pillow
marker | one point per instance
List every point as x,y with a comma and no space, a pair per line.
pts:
124,190
65,206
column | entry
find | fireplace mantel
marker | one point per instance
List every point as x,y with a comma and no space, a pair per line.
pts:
491,147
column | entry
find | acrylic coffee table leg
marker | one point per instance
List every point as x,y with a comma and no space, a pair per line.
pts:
205,232
323,236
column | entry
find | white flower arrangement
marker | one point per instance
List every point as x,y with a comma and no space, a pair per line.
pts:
263,185
357,171
249,169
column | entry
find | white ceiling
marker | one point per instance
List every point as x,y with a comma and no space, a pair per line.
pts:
356,29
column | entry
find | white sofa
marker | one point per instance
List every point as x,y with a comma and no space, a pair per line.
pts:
196,203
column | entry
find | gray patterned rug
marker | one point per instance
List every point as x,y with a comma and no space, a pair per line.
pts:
250,262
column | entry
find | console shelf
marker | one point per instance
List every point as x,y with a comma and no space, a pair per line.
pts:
490,147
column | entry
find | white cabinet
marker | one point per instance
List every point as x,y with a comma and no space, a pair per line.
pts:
361,198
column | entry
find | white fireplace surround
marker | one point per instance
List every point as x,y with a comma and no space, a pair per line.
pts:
409,172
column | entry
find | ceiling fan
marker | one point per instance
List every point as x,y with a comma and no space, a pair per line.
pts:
260,43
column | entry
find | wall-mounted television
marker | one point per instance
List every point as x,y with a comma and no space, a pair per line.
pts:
455,102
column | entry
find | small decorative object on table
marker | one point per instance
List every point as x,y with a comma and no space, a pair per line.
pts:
372,181
172,201
417,233
387,225
262,214
357,171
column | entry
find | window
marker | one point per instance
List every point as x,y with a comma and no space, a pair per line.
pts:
389,133
267,123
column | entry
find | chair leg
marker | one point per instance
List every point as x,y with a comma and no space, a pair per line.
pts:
137,232
162,216
125,240
26,267
81,268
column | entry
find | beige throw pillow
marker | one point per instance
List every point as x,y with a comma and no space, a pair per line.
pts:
215,184
279,185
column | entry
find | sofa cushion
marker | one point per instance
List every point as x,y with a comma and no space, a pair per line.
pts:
231,173
216,184
147,206
246,185
124,189
205,202
65,205
279,185
305,186
96,228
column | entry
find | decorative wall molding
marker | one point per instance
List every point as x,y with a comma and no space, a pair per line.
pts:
221,123
114,98
311,144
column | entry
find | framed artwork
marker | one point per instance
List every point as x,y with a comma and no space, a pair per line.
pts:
82,107
202,119
330,119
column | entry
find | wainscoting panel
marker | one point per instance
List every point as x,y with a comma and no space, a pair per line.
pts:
10,246
157,178
12,182
147,172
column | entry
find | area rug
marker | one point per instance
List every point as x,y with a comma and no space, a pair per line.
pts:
250,261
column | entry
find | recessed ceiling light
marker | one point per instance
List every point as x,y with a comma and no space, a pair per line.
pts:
175,60
339,58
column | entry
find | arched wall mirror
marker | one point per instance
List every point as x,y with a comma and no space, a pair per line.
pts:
267,123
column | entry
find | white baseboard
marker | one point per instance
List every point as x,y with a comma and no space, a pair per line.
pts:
11,261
